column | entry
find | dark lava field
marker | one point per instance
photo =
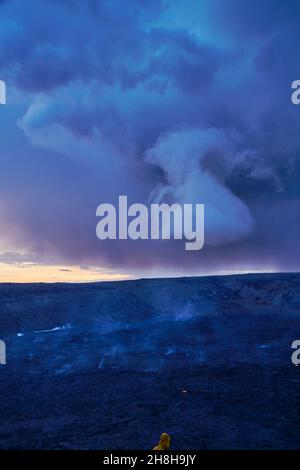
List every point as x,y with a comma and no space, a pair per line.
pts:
113,365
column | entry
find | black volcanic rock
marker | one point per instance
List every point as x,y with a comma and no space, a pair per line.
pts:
112,365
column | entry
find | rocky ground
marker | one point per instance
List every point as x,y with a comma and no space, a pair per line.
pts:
112,365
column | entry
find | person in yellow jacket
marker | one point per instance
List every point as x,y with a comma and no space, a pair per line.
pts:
164,442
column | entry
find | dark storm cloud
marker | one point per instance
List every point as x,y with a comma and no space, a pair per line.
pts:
154,99
254,19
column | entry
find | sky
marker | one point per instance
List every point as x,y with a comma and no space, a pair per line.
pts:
183,101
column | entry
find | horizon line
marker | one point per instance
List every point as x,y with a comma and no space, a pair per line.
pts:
105,281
